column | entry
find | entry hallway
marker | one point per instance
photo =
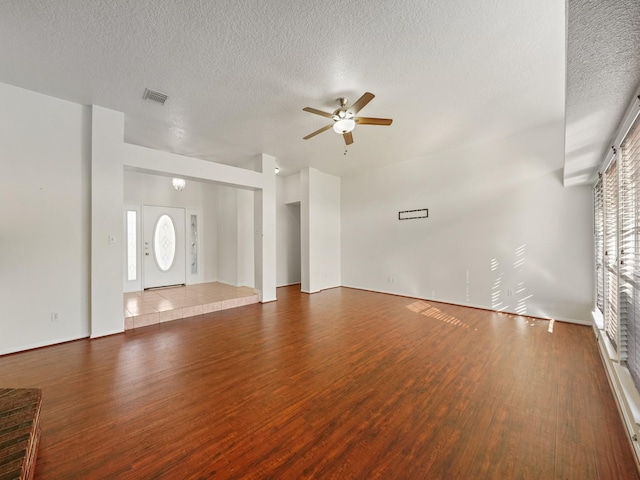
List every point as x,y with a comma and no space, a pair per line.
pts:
340,384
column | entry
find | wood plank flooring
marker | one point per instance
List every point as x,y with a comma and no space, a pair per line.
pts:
342,384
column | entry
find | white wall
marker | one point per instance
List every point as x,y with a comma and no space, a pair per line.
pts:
148,189
235,236
320,230
246,247
264,204
324,230
305,270
502,233
107,141
227,235
288,268
45,154
290,189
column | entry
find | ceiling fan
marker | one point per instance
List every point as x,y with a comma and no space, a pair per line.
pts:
344,118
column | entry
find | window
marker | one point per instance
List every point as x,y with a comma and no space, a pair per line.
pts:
598,201
629,265
617,251
132,245
194,244
164,243
617,263
611,251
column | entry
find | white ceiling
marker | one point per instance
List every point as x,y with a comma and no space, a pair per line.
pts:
603,74
239,73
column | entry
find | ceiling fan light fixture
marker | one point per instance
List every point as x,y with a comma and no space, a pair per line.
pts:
344,125
344,118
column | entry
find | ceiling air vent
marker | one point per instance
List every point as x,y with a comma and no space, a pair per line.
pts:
155,96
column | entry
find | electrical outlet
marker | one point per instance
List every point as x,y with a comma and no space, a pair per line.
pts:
55,316
509,293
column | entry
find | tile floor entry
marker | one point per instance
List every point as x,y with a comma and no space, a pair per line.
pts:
160,305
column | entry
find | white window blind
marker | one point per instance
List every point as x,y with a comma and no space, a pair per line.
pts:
630,252
598,230
611,251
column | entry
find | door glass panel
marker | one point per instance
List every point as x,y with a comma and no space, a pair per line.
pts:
164,243
194,244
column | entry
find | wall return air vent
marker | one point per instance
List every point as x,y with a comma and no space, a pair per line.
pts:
155,96
413,214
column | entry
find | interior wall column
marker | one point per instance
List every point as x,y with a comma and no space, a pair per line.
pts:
265,230
107,203
305,251
320,228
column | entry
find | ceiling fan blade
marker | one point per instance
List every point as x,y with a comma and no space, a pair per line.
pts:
373,121
323,129
348,138
361,102
318,112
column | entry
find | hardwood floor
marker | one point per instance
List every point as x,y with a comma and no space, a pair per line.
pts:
341,384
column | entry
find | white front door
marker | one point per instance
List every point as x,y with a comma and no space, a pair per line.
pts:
163,246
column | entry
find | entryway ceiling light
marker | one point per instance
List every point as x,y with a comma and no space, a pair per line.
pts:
178,183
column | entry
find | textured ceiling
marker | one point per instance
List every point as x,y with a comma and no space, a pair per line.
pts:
603,74
239,73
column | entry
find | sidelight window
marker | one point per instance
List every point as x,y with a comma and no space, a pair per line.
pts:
132,245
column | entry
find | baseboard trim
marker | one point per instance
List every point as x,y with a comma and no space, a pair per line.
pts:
38,346
107,334
470,305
